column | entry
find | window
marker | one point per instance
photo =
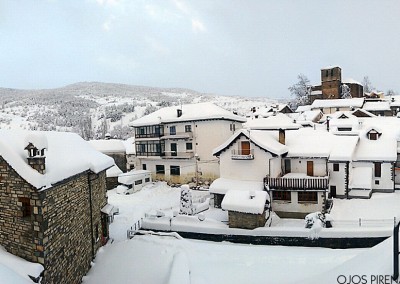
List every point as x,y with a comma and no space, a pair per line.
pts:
137,182
282,195
326,73
287,166
188,128
232,127
344,128
373,134
377,169
172,130
335,167
147,180
175,170
25,206
307,196
377,182
189,146
144,167
160,169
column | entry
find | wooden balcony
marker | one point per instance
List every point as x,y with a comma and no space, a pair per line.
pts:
247,154
288,182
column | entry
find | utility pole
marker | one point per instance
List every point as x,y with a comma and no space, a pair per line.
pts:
196,157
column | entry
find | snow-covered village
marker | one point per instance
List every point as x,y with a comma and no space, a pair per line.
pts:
199,142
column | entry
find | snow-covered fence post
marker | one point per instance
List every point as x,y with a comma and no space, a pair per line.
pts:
186,201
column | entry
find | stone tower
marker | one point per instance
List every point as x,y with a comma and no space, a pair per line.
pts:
331,80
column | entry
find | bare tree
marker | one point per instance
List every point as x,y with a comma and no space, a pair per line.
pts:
300,91
368,88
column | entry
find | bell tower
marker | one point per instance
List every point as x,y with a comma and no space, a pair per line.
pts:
331,79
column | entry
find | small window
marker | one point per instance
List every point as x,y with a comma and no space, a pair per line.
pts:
377,182
287,166
175,170
160,169
189,146
144,167
232,127
25,206
344,129
335,167
307,196
373,134
147,180
188,128
377,169
281,195
137,182
172,130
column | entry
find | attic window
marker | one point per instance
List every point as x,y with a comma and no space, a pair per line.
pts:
373,134
344,129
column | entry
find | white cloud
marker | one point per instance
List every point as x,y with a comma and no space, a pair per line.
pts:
156,46
197,26
107,2
118,62
108,23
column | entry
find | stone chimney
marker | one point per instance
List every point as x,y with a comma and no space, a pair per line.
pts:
36,158
282,136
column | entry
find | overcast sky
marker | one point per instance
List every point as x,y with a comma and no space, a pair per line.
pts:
227,47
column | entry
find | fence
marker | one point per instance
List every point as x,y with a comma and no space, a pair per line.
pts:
134,229
364,223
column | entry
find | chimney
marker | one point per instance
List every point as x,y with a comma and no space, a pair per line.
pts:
179,112
36,158
282,136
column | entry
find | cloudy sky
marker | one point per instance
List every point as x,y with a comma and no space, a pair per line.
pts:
227,47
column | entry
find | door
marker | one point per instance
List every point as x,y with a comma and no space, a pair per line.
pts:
310,168
173,149
245,148
333,191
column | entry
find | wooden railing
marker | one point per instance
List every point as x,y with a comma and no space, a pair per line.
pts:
297,183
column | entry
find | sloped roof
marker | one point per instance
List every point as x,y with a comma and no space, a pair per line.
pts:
274,122
377,106
222,185
67,155
190,112
241,201
108,146
263,139
354,102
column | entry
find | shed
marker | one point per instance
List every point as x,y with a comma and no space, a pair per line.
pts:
246,209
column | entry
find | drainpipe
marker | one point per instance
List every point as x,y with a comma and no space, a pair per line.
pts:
396,251
91,213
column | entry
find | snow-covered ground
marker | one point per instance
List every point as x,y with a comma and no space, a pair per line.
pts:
171,259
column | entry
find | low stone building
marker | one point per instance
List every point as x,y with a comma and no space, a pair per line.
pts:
52,191
246,209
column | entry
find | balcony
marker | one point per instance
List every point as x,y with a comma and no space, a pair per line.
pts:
177,155
297,181
246,154
178,135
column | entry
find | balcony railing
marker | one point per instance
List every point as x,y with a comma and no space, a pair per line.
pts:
291,183
149,135
178,155
242,154
178,135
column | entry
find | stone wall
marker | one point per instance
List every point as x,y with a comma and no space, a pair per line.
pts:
246,220
16,231
112,182
62,231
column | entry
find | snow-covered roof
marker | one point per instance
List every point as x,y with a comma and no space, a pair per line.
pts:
252,202
114,171
190,112
309,143
130,177
303,108
67,155
108,146
262,138
222,185
274,122
377,106
354,102
330,67
309,115
37,139
361,178
382,149
343,149
351,81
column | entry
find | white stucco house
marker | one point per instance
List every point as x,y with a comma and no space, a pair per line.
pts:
175,141
304,168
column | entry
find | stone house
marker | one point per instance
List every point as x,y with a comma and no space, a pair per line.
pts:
52,192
